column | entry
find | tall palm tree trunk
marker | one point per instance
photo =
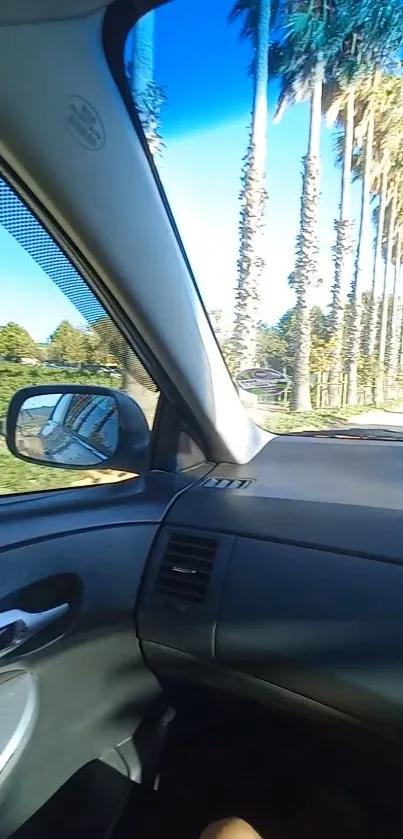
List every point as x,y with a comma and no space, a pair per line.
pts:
376,276
148,97
380,379
400,358
307,249
342,253
363,248
393,348
251,261
142,64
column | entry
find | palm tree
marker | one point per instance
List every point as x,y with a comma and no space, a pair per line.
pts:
373,41
371,45
376,136
387,115
307,247
400,342
298,58
363,249
393,347
142,63
390,235
381,36
148,97
342,249
366,100
354,105
300,62
253,196
320,38
378,258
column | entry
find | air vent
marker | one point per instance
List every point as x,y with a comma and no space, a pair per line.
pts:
186,567
225,483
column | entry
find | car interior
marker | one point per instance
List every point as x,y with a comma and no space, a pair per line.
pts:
222,633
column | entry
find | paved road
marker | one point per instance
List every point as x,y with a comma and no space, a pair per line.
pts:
392,419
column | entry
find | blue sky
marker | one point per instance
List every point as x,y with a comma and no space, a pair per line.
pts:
203,67
28,296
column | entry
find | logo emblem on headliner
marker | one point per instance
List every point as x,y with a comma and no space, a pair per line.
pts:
85,124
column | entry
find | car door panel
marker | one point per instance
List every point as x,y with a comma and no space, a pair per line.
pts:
41,515
92,687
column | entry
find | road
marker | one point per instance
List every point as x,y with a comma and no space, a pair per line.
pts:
392,418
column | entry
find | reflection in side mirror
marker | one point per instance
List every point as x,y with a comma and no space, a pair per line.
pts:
78,427
68,429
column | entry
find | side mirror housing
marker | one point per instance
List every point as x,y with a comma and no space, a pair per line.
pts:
78,427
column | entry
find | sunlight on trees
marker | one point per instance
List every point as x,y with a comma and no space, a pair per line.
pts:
343,58
15,341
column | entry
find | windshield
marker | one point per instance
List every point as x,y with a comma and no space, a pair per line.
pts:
275,129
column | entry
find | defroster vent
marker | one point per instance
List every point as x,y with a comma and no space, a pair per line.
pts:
186,567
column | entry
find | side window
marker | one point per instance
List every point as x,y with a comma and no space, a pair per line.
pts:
60,409
54,330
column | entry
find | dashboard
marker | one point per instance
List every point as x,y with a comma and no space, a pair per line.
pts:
282,581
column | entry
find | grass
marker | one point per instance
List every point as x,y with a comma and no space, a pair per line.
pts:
15,376
17,476
281,421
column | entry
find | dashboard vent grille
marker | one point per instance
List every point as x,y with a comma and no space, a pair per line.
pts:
186,567
226,483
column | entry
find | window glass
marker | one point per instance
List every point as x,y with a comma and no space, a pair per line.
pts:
105,432
60,408
81,406
275,128
54,330
99,424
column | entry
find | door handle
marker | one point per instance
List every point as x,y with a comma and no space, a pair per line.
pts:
17,626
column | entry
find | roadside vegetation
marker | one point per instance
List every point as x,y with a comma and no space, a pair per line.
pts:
342,57
16,476
79,356
281,421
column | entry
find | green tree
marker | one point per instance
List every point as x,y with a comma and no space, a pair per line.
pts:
16,341
67,343
230,357
271,348
133,372
96,350
321,347
111,339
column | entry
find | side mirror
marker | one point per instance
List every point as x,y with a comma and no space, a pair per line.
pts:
78,427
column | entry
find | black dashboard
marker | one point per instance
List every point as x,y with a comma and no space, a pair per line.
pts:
283,581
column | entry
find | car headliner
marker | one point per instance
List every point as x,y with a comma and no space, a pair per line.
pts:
30,10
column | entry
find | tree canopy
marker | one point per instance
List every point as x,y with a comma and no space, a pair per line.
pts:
16,341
